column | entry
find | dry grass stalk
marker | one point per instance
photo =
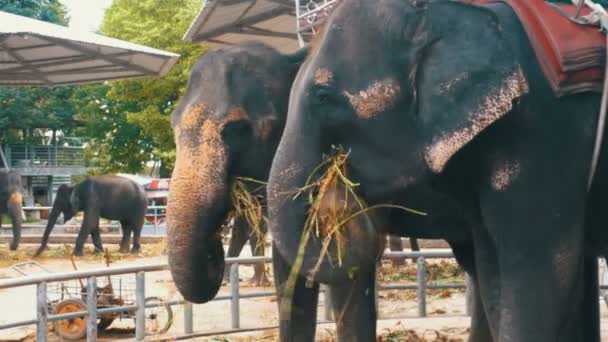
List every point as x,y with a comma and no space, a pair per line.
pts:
248,204
332,204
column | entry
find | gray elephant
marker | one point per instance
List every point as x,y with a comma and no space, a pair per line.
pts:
227,125
108,196
443,106
11,202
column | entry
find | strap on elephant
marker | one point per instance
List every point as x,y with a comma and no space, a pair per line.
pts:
597,17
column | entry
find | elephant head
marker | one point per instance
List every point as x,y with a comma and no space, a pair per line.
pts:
66,202
405,87
227,124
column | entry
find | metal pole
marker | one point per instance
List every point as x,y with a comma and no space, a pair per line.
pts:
42,313
468,293
92,309
421,278
327,300
234,292
155,219
188,318
140,301
4,162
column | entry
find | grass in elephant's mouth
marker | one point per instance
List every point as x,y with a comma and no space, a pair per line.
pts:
247,203
59,252
333,202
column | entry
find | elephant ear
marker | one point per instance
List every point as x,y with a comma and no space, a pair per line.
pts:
467,79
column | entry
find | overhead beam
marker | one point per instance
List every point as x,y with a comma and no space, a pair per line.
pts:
24,62
228,28
97,54
50,62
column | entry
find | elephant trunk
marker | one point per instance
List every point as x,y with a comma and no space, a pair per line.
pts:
15,210
55,211
197,205
297,157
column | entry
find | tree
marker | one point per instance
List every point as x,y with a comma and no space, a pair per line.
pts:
24,109
114,144
160,24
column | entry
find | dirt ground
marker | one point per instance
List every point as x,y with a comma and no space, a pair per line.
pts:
397,309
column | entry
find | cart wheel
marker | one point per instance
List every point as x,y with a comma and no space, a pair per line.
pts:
73,328
158,318
103,323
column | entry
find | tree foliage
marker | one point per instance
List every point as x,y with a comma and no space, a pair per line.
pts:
27,108
160,24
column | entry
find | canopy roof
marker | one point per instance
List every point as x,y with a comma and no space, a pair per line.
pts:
38,53
283,24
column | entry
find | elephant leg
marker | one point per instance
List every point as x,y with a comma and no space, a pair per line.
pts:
396,245
539,262
96,237
14,212
89,223
137,237
257,249
354,308
298,321
585,323
480,329
126,236
239,236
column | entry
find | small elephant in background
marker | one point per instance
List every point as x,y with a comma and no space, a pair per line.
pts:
108,196
10,202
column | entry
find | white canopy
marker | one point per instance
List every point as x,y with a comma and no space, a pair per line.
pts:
283,24
38,53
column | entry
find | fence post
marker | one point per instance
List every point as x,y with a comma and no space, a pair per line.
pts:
92,309
327,300
421,278
234,292
188,318
140,301
468,293
42,312
155,219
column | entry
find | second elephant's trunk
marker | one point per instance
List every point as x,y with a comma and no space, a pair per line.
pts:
49,227
197,205
287,215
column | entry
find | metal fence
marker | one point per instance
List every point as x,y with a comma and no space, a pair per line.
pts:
153,212
27,156
138,308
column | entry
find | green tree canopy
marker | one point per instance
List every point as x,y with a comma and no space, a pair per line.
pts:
26,108
160,24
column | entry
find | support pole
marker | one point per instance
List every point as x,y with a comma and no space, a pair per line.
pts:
41,313
188,313
140,301
421,278
92,309
234,291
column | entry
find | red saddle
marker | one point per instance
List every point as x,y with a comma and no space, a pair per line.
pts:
571,55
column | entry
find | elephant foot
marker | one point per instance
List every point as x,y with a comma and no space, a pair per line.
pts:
14,246
136,250
124,250
260,280
77,252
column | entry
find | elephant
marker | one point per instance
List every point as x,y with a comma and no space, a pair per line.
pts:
107,196
11,203
442,105
227,125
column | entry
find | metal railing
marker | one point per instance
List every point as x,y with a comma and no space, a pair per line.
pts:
153,212
41,156
42,317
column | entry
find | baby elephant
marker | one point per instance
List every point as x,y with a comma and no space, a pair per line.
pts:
109,196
